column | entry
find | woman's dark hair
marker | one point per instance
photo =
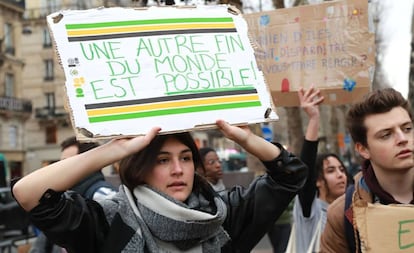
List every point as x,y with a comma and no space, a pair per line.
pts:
134,168
204,151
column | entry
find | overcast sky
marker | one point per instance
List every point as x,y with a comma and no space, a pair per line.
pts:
395,30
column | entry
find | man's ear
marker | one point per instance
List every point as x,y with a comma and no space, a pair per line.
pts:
362,150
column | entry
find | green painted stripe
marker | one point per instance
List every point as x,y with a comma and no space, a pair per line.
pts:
147,22
186,96
218,91
137,115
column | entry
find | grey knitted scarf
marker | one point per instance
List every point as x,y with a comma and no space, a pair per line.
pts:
181,225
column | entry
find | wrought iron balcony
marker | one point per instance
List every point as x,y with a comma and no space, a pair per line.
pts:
16,3
15,105
50,113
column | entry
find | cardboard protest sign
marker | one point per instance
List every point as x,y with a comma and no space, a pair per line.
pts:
385,228
327,45
128,70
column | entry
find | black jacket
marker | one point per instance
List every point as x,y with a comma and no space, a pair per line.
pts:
82,225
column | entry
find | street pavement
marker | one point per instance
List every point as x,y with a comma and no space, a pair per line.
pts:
263,246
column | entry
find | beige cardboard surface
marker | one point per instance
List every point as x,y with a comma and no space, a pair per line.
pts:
385,228
327,45
128,70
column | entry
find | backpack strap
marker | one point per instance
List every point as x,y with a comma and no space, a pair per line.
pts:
95,187
348,222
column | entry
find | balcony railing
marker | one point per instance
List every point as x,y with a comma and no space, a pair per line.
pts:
11,104
17,3
9,50
46,113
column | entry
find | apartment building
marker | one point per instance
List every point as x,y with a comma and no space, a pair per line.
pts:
14,109
44,84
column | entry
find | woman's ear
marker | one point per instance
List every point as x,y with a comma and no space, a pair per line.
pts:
362,150
320,182
200,170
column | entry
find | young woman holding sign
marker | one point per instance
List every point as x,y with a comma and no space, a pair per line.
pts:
162,205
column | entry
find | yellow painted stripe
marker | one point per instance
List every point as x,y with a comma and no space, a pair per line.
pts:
169,105
147,28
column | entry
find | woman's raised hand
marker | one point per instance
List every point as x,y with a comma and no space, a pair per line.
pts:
237,134
135,144
309,101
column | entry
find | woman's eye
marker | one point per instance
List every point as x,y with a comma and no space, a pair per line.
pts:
187,158
162,160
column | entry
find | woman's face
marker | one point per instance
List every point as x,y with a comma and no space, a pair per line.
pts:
173,173
212,165
334,182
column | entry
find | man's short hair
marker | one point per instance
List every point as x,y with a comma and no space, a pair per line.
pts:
375,102
82,146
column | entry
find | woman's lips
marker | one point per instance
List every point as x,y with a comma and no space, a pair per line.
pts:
177,184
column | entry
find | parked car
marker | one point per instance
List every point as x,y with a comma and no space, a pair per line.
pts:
14,221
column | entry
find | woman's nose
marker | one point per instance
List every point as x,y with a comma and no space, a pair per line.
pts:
176,166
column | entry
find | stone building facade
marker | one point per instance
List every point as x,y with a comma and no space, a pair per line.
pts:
14,108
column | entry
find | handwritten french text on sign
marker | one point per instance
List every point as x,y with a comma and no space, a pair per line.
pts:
327,45
179,68
385,228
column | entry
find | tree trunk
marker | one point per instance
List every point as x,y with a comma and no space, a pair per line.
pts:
411,79
295,131
333,140
379,81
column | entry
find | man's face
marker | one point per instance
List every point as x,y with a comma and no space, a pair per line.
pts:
68,152
389,141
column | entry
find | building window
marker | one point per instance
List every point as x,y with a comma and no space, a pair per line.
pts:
13,136
8,39
47,42
50,100
48,69
51,135
50,5
9,85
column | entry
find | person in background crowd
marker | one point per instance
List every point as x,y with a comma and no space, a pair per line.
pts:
93,187
327,180
280,231
381,127
212,168
163,205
